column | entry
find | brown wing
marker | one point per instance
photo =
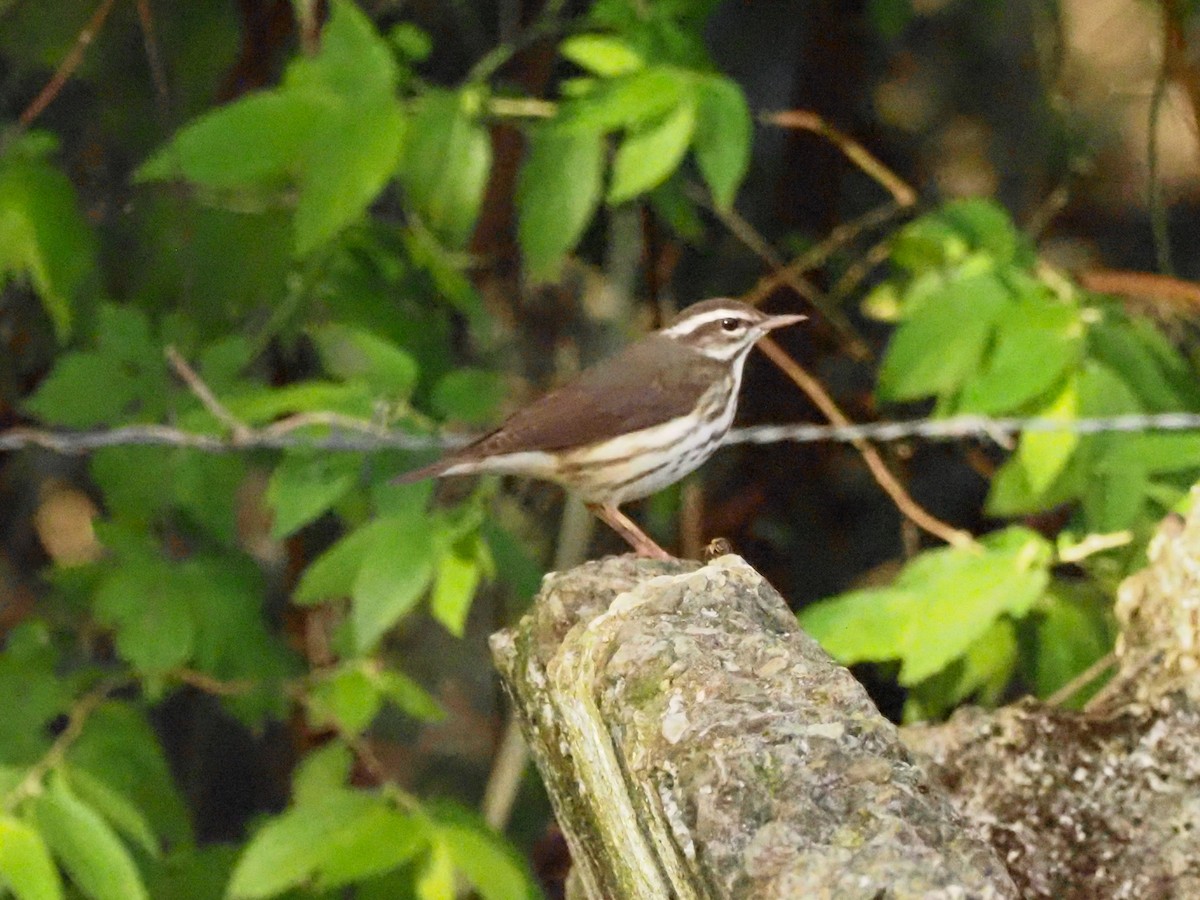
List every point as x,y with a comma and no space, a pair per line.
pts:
649,382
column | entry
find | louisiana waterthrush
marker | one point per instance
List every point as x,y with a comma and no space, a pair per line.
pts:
632,424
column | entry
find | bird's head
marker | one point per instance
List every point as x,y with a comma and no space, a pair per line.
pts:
723,329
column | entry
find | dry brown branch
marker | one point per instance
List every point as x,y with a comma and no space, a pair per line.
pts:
756,243
67,67
202,681
891,485
811,387
818,254
1142,285
903,193
158,73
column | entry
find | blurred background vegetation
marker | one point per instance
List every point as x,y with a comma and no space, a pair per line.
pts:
265,225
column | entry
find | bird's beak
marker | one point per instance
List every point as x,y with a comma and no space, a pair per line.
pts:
780,321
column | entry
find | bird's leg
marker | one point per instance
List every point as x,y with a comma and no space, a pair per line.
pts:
642,543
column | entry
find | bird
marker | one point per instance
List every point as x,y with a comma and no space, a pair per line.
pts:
632,424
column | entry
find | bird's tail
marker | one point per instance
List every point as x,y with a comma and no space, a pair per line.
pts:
433,470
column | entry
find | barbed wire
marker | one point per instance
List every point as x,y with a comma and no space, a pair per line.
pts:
365,436
963,427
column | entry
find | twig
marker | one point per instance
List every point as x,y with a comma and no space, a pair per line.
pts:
883,475
855,274
154,59
1082,680
237,428
309,25
210,685
77,718
903,193
1144,285
1093,544
67,67
748,235
817,255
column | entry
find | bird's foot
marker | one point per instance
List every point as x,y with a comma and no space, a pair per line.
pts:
643,545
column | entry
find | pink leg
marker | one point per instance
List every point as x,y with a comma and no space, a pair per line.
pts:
641,542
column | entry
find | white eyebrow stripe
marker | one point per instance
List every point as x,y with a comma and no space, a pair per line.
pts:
687,326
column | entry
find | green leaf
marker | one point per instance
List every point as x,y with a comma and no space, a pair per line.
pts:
350,352
43,235
558,192
629,101
1042,455
143,603
28,670
347,699
258,140
322,773
25,865
446,162
411,41
409,696
436,879
379,840
234,640
458,575
346,837
648,156
724,130
468,395
1117,346
671,203
86,846
353,62
353,156
601,54
942,602
1117,493
117,809
289,849
307,483
988,663
261,405
982,673
954,232
331,576
1160,453
941,343
1035,343
334,130
490,864
67,396
119,748
396,570
193,873
1069,635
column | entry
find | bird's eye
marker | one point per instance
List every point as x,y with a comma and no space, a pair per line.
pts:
730,324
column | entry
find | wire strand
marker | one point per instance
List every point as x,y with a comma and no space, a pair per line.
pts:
369,436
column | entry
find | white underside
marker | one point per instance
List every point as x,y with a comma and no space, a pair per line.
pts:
638,475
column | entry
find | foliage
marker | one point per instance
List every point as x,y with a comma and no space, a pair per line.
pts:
286,223
309,247
1014,338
